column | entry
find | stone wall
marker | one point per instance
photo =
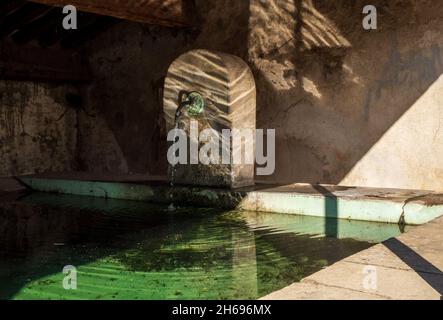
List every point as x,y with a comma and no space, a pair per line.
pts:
350,106
37,128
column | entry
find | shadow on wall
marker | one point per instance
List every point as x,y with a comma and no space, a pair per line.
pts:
331,89
130,63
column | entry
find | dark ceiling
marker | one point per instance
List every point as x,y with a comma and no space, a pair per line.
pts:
26,22
34,46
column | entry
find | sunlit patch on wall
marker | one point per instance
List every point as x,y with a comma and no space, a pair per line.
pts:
309,86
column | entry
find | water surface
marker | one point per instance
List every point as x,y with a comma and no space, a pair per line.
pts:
134,250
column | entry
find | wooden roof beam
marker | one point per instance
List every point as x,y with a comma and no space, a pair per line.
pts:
170,13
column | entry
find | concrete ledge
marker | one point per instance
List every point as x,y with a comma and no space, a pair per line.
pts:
367,204
407,267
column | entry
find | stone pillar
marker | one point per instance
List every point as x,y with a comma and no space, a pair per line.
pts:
228,89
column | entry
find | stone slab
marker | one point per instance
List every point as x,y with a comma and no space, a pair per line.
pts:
406,268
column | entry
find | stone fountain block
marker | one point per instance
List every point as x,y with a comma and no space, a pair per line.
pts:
228,88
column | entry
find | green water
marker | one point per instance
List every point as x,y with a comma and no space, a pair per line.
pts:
132,250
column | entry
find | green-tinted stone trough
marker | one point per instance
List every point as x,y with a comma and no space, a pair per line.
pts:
411,207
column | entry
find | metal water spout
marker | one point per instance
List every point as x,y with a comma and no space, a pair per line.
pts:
191,102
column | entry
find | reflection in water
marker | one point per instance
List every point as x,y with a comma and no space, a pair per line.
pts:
132,250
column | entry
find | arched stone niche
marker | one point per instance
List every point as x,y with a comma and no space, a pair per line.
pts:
228,88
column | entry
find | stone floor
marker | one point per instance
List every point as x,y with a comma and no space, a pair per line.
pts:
406,267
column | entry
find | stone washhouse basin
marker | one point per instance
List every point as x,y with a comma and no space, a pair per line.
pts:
217,91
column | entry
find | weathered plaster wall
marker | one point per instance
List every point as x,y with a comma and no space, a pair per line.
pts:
350,106
129,64
336,92
37,130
